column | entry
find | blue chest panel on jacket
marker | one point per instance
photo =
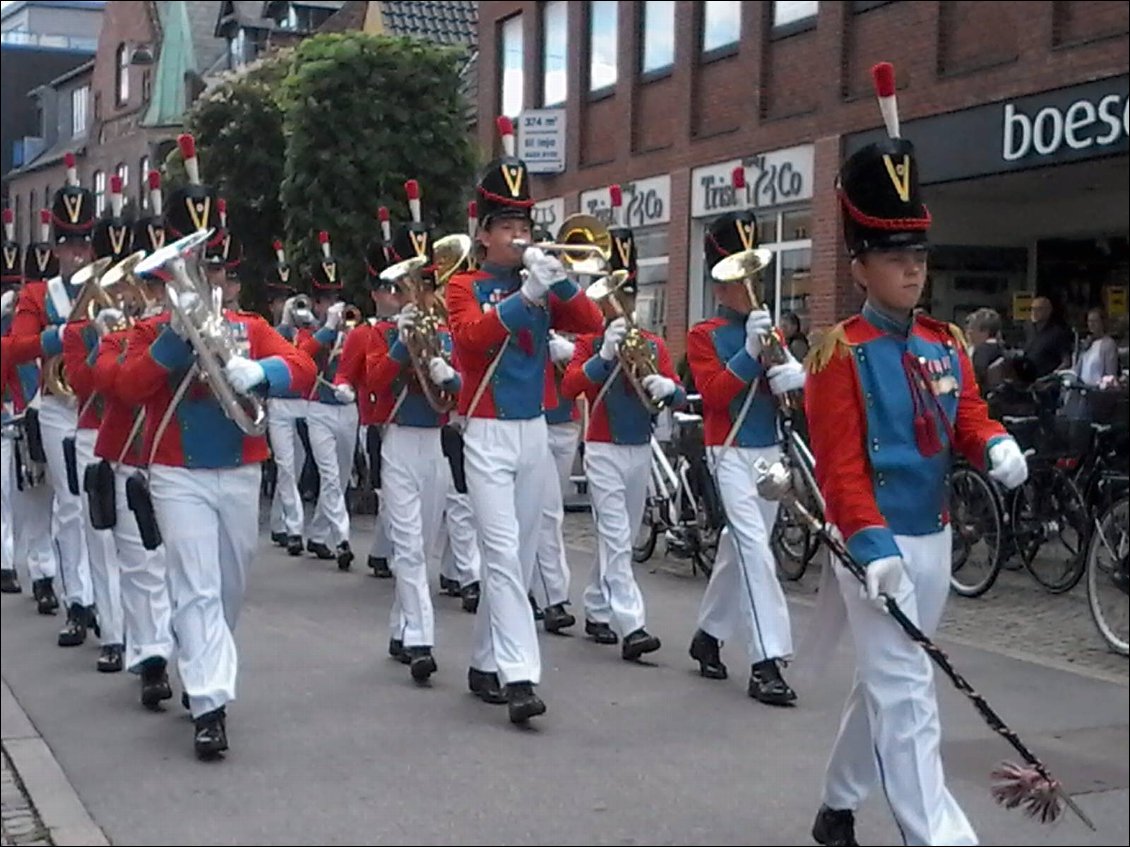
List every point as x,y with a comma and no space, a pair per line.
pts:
208,437
326,361
912,490
629,421
759,428
518,383
415,410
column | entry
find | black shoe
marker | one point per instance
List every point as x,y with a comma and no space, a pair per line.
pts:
110,658
704,650
396,650
155,683
471,592
834,827
637,643
319,549
279,538
46,603
9,582
524,703
184,701
73,632
344,556
557,619
601,633
538,614
380,567
294,545
422,662
211,734
92,621
450,587
485,686
767,685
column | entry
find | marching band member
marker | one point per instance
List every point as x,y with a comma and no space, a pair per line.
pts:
618,447
500,322
331,422
11,277
227,256
891,395
112,238
203,474
411,454
40,261
740,427
41,314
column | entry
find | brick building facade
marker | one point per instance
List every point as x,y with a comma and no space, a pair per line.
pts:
666,97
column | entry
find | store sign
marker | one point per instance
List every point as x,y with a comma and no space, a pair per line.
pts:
1022,305
771,179
646,202
549,213
1116,301
541,140
1066,125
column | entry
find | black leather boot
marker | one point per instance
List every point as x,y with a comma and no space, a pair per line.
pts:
767,685
421,662
538,614
557,618
637,644
704,650
344,556
834,827
9,582
210,734
73,632
523,702
46,603
110,658
155,683
319,549
472,593
450,587
485,686
601,633
380,567
279,538
294,545
396,650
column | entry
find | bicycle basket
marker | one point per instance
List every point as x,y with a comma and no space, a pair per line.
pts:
1109,407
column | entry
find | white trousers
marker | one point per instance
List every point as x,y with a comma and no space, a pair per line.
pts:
890,733
105,575
209,520
25,522
744,592
506,463
333,440
58,419
618,477
283,415
145,590
457,543
551,568
413,462
382,548
7,495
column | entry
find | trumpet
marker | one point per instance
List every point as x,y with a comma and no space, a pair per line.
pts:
122,290
637,359
423,339
198,309
90,295
584,245
351,317
302,309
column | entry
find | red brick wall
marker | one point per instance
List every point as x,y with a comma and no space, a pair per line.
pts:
973,34
1089,19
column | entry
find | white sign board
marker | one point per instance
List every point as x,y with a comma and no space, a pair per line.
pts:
646,202
541,140
549,213
771,179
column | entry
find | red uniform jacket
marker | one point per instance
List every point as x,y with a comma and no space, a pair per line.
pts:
80,345
117,416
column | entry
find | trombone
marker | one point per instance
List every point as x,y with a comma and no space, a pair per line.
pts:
583,243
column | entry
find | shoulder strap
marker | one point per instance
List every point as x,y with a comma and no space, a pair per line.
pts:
740,419
396,406
486,379
607,384
171,410
138,420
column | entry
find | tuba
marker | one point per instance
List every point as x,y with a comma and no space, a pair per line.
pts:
89,296
637,359
198,308
423,339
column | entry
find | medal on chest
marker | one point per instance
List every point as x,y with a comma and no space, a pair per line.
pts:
940,371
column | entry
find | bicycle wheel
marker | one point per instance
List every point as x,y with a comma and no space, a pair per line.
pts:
1049,522
644,544
975,514
790,542
1107,578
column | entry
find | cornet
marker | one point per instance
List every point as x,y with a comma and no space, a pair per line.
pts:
637,359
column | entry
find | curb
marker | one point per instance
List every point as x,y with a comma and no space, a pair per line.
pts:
51,793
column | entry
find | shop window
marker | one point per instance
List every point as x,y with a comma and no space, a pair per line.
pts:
658,36
796,226
651,297
721,25
511,83
555,49
602,44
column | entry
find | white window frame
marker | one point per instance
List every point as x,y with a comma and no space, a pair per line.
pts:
123,57
604,83
143,182
80,99
793,11
237,49
714,6
512,82
99,192
562,7
649,7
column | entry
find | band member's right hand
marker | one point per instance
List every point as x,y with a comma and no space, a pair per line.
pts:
345,394
406,320
786,377
244,374
440,371
560,349
615,333
187,301
288,312
543,271
884,576
105,319
757,324
334,315
7,303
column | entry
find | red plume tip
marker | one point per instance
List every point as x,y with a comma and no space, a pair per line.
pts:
45,216
505,125
617,197
9,216
737,178
221,205
412,189
154,180
883,74
323,237
276,245
472,209
115,184
382,213
187,145
69,160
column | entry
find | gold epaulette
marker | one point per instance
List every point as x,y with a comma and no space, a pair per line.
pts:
833,342
958,336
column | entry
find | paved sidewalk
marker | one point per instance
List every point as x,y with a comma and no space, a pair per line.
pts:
21,825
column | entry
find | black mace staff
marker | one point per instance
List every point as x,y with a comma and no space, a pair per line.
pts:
1030,786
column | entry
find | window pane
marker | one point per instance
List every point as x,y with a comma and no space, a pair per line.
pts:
555,36
658,34
767,228
721,23
796,281
602,44
99,192
796,225
123,73
792,10
143,182
512,67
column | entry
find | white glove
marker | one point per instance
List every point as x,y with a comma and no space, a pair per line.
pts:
757,324
786,377
659,386
7,302
105,318
188,301
1007,464
244,374
884,577
440,371
288,313
560,349
544,271
612,338
345,394
406,320
333,315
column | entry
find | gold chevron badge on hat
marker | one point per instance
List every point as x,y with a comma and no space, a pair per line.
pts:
117,236
624,248
745,233
900,176
198,211
73,204
11,255
156,236
42,259
330,270
419,242
513,176
284,275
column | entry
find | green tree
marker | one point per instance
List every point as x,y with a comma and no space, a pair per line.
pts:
362,115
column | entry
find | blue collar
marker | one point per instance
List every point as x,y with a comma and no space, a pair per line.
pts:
887,321
732,315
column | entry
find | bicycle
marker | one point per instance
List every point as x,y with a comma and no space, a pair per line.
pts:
1108,583
792,540
978,518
